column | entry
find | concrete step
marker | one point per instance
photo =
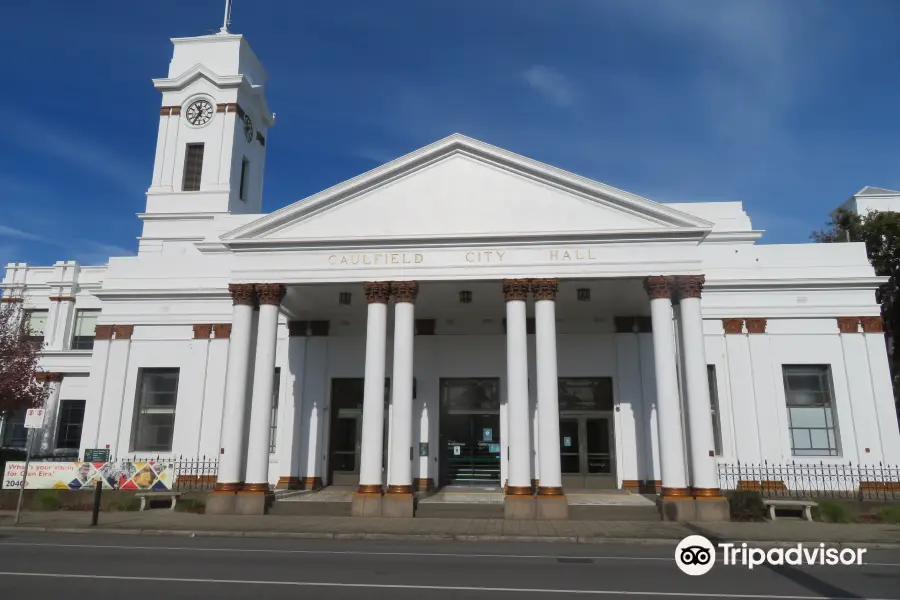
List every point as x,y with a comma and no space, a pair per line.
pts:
311,509
459,510
613,513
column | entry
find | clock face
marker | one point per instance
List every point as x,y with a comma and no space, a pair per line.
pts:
248,128
200,113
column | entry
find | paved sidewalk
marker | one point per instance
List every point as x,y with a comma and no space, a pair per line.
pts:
164,522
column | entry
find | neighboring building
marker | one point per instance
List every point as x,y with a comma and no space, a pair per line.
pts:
871,199
462,313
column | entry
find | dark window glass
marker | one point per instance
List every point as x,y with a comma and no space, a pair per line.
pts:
71,417
810,403
245,164
193,167
273,424
83,332
585,393
714,408
154,422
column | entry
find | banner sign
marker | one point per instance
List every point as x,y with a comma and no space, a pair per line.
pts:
122,475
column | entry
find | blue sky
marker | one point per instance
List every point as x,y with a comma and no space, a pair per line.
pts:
789,106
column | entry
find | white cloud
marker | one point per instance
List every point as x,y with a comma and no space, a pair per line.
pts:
19,234
552,85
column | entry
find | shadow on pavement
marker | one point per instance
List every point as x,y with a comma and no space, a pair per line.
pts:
790,572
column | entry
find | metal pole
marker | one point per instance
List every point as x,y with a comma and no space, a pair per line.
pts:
95,514
24,475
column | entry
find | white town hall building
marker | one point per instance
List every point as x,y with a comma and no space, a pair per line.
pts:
460,314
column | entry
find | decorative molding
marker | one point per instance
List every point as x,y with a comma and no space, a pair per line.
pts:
11,300
165,111
62,299
690,286
231,107
706,492
202,332
369,489
676,493
545,289
659,286
289,483
399,489
377,292
733,326
872,324
848,324
270,293
176,110
311,483
243,294
756,326
103,332
519,490
44,376
405,291
221,330
516,289
632,485
123,332
550,491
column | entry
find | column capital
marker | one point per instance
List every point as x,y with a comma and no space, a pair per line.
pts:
123,332
405,291
659,286
872,324
221,330
103,332
203,331
756,325
848,324
269,293
516,289
48,377
733,326
545,289
690,286
378,292
242,294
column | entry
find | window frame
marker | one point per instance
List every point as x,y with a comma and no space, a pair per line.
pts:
73,343
273,423
139,410
62,421
829,408
26,322
189,167
715,409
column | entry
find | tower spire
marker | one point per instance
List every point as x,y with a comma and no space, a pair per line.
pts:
227,20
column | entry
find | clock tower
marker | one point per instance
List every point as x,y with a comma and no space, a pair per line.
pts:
213,126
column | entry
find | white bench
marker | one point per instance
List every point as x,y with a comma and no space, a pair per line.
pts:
145,496
802,505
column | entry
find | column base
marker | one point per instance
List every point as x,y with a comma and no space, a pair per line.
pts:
519,507
220,503
253,502
423,484
398,505
311,483
289,483
366,504
676,508
632,485
554,508
712,509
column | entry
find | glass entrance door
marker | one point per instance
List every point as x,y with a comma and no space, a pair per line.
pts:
346,432
470,431
586,451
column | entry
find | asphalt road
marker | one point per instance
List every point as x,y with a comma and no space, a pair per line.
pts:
145,568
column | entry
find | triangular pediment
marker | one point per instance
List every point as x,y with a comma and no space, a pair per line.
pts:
463,188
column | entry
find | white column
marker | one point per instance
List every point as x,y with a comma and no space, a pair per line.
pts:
743,397
230,477
671,435
880,372
701,445
372,443
270,296
47,438
547,386
519,481
400,475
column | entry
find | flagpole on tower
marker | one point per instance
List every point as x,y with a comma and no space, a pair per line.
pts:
227,20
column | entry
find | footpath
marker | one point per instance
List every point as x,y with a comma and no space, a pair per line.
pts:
165,522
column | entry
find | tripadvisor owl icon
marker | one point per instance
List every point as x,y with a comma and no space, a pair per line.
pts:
695,555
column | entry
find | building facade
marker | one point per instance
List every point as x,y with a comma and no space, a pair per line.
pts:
461,314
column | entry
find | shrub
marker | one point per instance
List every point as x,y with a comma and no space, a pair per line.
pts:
125,504
834,511
48,500
747,505
890,514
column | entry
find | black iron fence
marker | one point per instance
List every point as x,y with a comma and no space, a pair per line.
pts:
814,480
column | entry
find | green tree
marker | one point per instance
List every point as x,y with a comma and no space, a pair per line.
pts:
880,232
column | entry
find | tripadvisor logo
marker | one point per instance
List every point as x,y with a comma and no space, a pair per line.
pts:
696,555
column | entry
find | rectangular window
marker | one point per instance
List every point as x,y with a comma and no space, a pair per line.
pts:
36,322
714,408
810,402
71,416
154,418
273,424
245,166
14,433
193,167
83,332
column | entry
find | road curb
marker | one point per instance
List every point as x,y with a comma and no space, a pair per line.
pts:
421,537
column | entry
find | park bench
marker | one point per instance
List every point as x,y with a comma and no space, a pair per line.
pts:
802,505
151,496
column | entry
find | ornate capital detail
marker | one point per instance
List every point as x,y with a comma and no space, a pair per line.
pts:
405,291
48,377
270,293
690,286
123,332
848,324
103,332
516,289
872,324
544,289
733,326
658,286
201,332
12,300
221,330
242,294
378,292
756,325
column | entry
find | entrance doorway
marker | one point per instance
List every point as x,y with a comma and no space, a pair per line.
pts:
346,430
470,431
587,433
